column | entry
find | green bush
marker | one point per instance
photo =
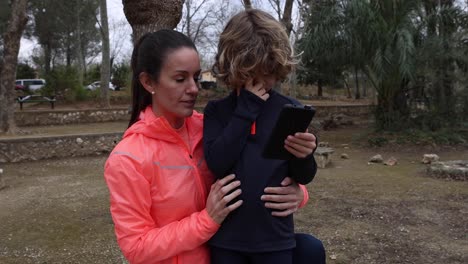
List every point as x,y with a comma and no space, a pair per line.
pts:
63,83
93,74
121,75
419,137
24,71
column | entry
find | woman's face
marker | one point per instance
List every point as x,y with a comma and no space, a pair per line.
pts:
176,90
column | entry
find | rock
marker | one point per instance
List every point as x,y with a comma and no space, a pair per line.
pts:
376,159
323,144
429,158
2,183
79,141
344,156
323,156
392,161
333,257
455,170
336,120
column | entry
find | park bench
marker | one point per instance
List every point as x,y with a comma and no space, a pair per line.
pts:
323,156
36,99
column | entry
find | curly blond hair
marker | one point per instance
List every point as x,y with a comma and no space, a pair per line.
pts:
252,43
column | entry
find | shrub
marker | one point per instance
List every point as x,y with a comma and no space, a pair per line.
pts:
121,75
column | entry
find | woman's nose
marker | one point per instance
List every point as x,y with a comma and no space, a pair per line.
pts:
194,87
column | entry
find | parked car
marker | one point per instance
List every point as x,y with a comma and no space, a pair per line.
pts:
19,87
95,85
30,84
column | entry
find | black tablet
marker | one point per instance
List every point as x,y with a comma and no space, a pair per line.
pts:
292,119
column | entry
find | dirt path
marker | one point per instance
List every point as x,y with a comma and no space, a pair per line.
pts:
56,211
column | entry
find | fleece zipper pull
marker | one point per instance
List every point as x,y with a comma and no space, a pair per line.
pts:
253,128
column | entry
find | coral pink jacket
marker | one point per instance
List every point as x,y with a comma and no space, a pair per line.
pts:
158,189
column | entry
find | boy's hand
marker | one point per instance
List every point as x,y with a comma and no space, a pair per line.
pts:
258,89
301,145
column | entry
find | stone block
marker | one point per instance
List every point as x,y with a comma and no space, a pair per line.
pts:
323,156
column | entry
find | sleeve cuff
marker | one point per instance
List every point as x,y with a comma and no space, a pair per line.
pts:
208,222
306,196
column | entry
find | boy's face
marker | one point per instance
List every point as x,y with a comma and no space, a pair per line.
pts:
268,80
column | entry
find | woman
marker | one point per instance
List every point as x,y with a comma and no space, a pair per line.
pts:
164,204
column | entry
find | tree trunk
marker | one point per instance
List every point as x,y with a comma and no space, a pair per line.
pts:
286,20
47,57
152,15
11,45
348,90
105,64
188,18
293,84
79,53
356,80
319,88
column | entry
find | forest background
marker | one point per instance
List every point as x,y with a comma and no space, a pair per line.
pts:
411,56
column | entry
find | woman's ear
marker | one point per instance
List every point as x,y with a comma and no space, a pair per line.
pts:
147,82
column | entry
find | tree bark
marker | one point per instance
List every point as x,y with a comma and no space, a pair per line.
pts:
152,15
47,57
348,90
105,64
287,13
2,183
79,53
11,44
356,80
319,88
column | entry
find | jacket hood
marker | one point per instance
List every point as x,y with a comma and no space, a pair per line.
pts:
158,127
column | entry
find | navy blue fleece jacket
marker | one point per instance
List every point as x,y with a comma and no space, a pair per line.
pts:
231,147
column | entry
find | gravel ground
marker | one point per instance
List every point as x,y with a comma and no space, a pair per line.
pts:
56,211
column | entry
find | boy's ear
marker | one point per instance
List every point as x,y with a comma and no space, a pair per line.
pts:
147,82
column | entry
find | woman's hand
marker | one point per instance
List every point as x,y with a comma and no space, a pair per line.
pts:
258,89
222,192
284,200
301,145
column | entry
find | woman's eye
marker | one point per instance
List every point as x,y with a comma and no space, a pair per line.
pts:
180,80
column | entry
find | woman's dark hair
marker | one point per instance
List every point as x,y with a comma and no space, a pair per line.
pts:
149,55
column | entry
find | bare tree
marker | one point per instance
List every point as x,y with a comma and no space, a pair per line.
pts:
207,42
78,50
118,35
285,14
276,5
11,45
105,62
192,26
151,15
